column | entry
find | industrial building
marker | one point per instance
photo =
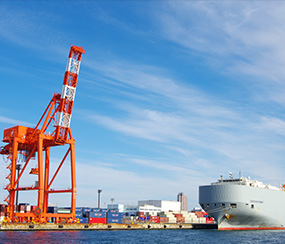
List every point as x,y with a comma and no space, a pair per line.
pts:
164,206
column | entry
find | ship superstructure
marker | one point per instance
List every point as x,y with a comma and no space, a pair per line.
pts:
242,203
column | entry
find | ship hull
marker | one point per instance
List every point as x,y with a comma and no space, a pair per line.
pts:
241,207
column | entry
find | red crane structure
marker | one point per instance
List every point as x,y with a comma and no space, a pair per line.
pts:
37,142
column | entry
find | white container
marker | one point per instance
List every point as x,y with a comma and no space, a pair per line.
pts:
202,220
170,221
28,208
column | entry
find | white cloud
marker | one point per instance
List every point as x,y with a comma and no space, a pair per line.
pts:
184,119
11,121
242,37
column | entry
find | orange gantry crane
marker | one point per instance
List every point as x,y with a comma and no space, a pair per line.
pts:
38,141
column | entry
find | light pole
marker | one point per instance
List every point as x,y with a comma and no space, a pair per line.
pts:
112,200
99,191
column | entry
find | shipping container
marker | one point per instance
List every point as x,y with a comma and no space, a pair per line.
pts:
97,215
63,210
154,217
113,210
83,220
155,220
115,215
116,220
209,220
86,214
97,210
86,209
52,210
163,220
104,210
140,213
33,208
97,220
28,209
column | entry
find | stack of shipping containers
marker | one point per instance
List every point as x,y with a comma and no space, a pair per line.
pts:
87,215
3,211
98,216
113,216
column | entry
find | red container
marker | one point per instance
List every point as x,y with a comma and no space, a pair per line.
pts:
209,221
163,220
154,220
33,208
140,214
3,208
199,214
154,217
97,220
178,215
180,220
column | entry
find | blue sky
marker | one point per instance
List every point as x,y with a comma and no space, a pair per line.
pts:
171,94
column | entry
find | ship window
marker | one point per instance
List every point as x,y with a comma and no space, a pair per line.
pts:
223,205
208,205
202,205
215,204
252,206
233,205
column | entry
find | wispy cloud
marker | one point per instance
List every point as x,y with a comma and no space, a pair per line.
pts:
11,121
184,119
240,37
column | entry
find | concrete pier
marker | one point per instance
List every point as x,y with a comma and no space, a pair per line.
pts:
69,227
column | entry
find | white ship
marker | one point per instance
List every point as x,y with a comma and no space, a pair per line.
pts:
244,204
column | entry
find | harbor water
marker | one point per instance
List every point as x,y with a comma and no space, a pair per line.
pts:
143,236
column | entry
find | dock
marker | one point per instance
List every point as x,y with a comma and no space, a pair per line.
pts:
74,227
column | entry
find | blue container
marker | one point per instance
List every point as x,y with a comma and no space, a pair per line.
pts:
78,214
113,210
115,220
78,209
86,212
115,215
84,220
86,209
96,210
104,210
97,215
26,204
52,209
